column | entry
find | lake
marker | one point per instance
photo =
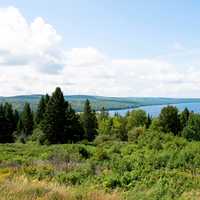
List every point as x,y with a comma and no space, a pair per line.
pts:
154,110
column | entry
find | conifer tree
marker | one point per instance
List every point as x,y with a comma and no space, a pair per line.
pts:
19,127
54,118
149,120
40,110
5,133
89,122
73,128
16,119
10,119
27,120
184,117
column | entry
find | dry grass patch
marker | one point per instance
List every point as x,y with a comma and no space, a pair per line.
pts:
20,188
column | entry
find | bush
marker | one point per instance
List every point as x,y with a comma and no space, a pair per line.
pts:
137,118
101,154
37,136
84,152
135,133
192,130
100,139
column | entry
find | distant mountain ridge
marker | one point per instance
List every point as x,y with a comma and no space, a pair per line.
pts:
109,103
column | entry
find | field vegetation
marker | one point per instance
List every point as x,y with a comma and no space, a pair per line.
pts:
56,153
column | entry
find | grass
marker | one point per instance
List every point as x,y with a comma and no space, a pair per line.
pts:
35,190
155,166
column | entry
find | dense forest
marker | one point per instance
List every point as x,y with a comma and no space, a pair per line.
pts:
55,122
94,156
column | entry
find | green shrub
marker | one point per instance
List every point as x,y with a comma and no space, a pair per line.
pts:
37,136
135,133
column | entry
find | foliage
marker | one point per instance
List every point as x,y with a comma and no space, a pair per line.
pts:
89,121
192,130
169,120
154,166
134,133
8,123
135,156
54,119
26,120
136,118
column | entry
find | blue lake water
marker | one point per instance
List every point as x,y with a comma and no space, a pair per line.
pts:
154,110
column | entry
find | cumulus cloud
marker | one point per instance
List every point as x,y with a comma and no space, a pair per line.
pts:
32,61
23,43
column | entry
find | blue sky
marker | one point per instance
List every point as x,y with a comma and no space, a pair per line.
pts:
126,28
125,32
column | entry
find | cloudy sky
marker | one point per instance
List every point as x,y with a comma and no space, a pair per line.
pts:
107,47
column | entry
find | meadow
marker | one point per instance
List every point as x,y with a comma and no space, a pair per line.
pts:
154,166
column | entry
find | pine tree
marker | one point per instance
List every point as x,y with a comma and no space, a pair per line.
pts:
184,117
40,110
16,119
5,133
10,118
89,122
27,120
54,118
149,120
73,128
19,127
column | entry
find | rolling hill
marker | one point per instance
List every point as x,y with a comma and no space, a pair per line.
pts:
109,103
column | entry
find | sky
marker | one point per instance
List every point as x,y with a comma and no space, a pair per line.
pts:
106,48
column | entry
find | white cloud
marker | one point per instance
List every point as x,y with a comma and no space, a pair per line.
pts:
32,61
23,43
85,57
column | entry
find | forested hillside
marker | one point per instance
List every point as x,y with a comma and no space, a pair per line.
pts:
57,153
97,102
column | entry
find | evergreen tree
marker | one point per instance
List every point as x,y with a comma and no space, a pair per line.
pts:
73,128
6,135
54,118
19,127
10,118
27,120
46,99
41,109
192,130
149,120
89,122
184,117
16,118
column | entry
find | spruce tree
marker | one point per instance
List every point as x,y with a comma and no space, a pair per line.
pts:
19,127
5,133
54,118
10,118
89,122
40,110
27,120
149,120
73,128
184,117
16,119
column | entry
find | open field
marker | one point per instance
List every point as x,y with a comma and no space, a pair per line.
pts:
155,166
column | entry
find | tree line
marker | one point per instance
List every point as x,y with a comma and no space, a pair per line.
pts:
56,122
